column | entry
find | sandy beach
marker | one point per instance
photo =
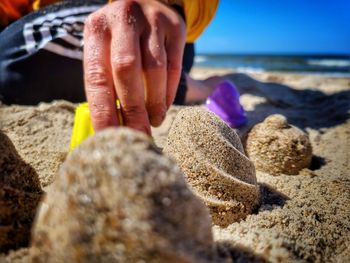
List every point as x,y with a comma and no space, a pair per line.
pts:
301,218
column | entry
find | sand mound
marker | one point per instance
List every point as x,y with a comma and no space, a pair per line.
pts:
211,155
118,199
160,134
40,133
20,194
276,147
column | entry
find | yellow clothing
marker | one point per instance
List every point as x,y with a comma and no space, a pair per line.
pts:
198,13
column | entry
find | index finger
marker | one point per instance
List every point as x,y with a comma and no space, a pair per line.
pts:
97,73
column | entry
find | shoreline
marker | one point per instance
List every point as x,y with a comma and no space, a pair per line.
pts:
261,71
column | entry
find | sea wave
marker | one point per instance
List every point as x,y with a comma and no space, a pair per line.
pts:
250,70
329,62
200,59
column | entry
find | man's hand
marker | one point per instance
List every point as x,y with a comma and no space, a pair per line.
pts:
132,52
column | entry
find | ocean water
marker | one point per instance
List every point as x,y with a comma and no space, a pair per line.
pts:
330,65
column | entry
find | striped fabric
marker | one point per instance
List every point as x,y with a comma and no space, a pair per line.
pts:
59,32
198,13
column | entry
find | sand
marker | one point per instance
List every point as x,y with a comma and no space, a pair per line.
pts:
302,218
120,200
276,147
41,134
20,194
213,160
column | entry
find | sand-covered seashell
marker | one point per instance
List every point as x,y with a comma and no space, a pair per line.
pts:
212,158
118,199
20,193
276,147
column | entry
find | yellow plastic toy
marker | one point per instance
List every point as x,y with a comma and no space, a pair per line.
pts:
82,124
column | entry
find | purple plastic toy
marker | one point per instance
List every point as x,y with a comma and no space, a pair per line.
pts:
224,102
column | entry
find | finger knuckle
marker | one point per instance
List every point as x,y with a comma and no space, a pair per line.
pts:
126,8
124,63
96,22
155,16
178,30
101,116
127,5
156,63
133,110
95,78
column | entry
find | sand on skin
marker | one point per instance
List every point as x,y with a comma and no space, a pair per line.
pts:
302,218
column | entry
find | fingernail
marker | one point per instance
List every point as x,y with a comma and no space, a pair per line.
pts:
157,120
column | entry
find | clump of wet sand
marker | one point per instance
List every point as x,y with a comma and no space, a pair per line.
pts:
276,147
118,199
20,193
212,158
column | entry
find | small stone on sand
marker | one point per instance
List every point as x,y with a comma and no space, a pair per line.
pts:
212,158
118,199
276,147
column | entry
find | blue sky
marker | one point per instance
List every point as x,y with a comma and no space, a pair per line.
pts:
278,26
